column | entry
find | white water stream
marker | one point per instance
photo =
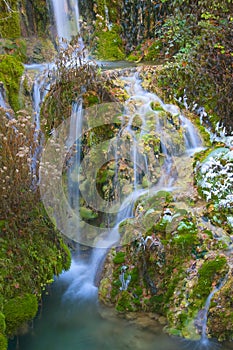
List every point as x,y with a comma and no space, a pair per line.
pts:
205,342
66,13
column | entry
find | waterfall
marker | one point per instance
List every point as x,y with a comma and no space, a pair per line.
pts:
83,286
66,13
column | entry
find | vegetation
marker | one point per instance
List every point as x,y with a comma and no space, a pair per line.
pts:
32,252
19,310
174,264
9,19
77,80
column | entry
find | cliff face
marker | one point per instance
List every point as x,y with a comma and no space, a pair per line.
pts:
35,17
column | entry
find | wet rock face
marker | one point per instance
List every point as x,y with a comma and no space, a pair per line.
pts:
173,267
135,19
35,17
138,19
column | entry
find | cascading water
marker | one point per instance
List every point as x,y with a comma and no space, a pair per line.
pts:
108,24
78,316
73,171
40,88
2,101
192,139
66,13
205,342
83,286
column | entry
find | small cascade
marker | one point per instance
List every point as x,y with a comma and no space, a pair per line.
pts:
192,139
74,162
40,89
108,24
204,337
66,15
2,100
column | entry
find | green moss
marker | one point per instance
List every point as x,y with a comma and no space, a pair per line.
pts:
11,70
133,57
90,99
185,240
116,284
156,106
153,51
2,323
125,302
66,257
18,311
109,45
134,273
167,196
16,48
156,302
88,214
119,258
112,9
3,342
10,20
208,273
172,283
175,332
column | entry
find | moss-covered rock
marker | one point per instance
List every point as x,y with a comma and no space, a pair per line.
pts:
173,264
220,320
11,70
19,311
109,45
10,20
125,302
210,271
88,213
